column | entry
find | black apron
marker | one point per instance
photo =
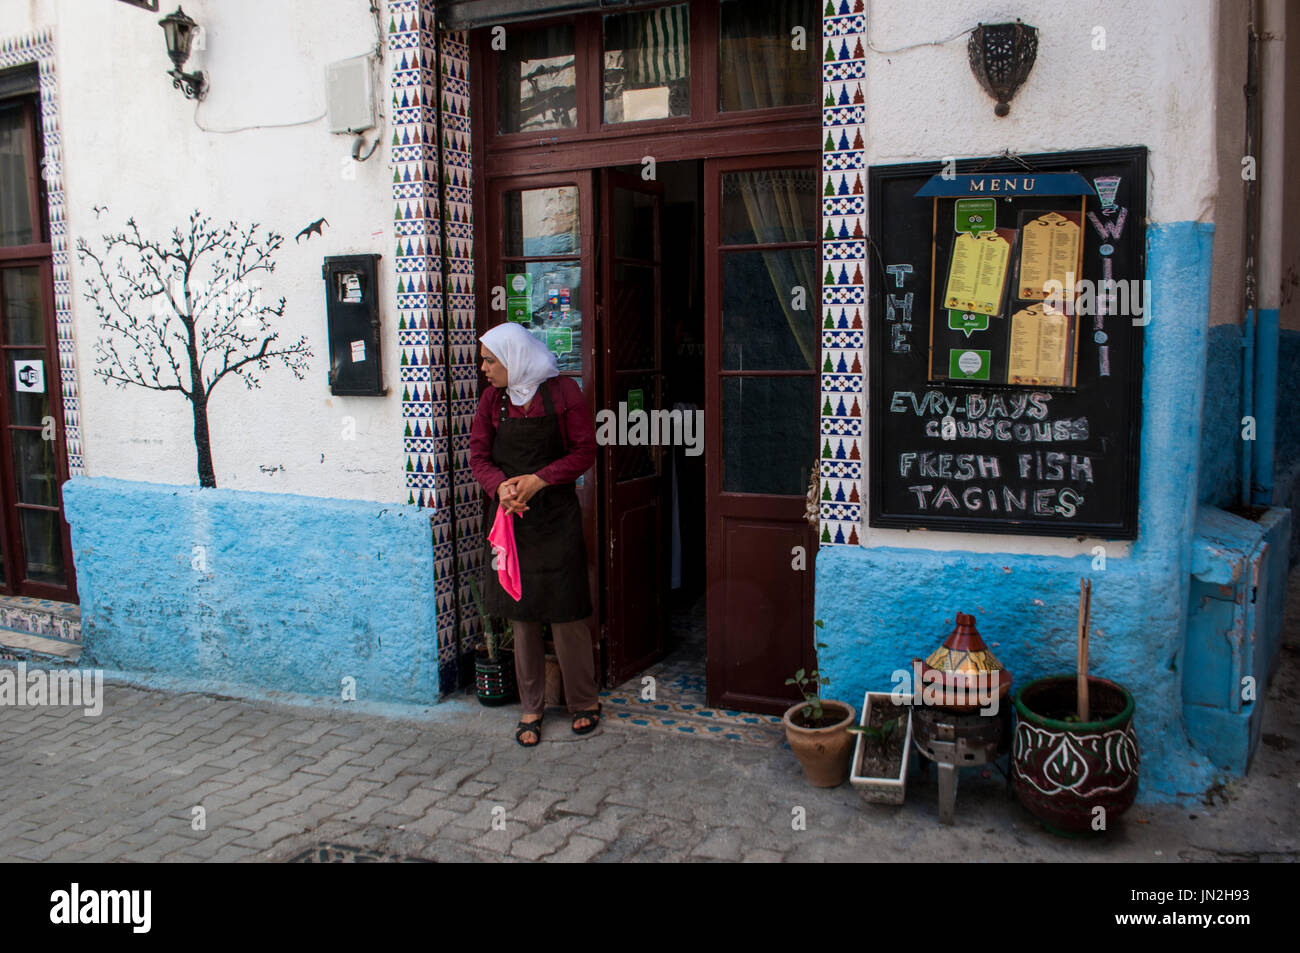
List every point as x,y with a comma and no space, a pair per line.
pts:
548,537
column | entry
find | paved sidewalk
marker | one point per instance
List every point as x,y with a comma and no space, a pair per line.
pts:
286,782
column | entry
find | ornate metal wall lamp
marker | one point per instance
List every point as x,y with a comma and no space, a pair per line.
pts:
1001,56
180,30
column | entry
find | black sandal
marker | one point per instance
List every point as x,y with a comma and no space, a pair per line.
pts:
523,728
592,715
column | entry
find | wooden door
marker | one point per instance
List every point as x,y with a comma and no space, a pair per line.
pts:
35,546
762,296
636,527
543,227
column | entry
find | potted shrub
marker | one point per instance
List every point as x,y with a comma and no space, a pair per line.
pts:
884,743
494,662
1075,755
817,729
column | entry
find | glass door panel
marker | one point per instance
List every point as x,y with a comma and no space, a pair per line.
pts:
762,354
543,289
769,319
34,534
18,224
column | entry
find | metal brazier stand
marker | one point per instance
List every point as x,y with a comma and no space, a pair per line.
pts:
953,740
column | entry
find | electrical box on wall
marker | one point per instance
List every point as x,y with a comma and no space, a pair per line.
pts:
350,95
352,313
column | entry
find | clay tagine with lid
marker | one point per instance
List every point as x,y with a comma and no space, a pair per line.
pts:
965,668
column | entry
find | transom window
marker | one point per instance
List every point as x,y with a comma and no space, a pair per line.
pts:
667,64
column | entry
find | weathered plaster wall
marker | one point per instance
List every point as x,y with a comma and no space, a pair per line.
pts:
278,591
134,144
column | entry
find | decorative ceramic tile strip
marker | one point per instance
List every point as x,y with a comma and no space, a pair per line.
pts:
458,247
421,335
38,48
844,263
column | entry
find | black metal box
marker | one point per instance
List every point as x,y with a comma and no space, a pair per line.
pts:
352,314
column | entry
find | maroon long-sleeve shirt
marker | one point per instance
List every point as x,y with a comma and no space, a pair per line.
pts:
576,425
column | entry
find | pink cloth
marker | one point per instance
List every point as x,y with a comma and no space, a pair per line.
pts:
502,539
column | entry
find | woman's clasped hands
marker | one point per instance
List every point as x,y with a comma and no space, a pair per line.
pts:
515,492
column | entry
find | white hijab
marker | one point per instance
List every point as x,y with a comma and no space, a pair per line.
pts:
527,360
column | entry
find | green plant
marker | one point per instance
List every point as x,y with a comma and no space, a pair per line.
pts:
810,686
879,735
494,641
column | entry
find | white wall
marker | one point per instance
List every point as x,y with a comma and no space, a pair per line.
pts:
1153,85
130,143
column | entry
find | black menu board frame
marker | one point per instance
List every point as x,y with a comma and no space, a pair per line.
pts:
992,457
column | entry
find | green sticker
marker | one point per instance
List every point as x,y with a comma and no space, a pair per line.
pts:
635,400
518,310
975,215
559,340
519,298
968,365
967,322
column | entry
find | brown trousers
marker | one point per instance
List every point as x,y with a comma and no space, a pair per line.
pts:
577,665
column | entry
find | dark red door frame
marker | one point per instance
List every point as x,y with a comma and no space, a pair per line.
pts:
16,582
760,515
40,254
635,570
491,276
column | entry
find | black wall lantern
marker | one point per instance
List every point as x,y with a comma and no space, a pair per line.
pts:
1001,56
180,31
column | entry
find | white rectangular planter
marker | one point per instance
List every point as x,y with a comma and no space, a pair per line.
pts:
881,790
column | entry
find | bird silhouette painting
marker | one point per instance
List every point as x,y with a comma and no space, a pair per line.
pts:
313,227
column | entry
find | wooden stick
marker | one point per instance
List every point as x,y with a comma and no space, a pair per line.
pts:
1085,609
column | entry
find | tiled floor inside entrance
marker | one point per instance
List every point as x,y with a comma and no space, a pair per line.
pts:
678,704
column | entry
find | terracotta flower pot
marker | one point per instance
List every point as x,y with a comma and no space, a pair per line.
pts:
1065,770
823,752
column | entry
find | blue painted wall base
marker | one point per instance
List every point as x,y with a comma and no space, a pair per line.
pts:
282,592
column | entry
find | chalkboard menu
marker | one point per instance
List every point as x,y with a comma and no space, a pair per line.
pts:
1005,327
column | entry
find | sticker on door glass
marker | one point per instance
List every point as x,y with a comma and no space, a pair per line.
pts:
29,376
358,351
519,298
559,341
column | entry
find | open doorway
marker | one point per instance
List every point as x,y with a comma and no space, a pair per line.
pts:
651,337
679,664
684,292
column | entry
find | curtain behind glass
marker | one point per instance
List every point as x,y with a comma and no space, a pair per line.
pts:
758,67
776,203
15,163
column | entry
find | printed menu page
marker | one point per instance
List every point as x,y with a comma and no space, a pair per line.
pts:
978,270
1038,347
1049,251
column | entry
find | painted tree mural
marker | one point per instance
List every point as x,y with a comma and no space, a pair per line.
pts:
185,314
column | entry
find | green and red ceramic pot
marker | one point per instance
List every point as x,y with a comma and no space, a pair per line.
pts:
1066,770
495,680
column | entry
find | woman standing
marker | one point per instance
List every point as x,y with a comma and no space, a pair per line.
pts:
533,436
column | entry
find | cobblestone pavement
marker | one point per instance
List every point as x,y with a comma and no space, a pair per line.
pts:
281,782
